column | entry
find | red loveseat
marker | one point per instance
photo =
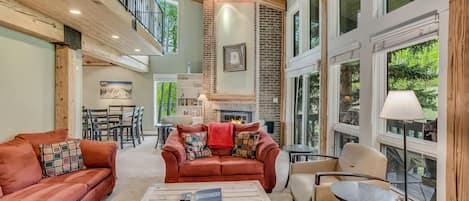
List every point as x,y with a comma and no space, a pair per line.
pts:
221,166
21,177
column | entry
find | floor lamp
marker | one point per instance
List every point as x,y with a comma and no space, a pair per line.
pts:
403,106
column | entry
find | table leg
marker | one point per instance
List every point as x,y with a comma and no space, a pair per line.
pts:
289,169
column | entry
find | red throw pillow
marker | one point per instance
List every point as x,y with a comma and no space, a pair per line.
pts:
190,128
19,166
251,127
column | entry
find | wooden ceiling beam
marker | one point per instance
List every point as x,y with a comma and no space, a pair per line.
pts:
94,48
18,17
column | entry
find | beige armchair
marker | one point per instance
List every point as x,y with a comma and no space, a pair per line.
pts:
312,180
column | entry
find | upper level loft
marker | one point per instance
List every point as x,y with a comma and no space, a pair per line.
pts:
132,27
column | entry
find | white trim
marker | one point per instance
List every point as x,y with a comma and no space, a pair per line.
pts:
347,128
289,29
416,145
421,27
165,77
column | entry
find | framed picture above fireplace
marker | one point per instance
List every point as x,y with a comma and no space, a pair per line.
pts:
234,57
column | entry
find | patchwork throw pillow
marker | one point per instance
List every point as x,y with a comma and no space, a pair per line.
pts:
245,144
196,145
61,158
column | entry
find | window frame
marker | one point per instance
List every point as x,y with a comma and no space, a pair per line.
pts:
334,86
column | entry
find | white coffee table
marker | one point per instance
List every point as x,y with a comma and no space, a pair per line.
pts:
231,191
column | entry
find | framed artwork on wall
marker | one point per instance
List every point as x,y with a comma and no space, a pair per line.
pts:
234,58
115,90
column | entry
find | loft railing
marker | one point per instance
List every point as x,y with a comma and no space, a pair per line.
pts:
149,14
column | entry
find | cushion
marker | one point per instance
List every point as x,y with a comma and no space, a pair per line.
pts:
240,166
61,158
302,185
49,137
89,177
49,192
247,127
195,145
203,167
19,167
245,144
190,128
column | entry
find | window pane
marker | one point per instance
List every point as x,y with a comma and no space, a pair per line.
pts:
313,111
349,100
298,110
166,99
296,34
416,68
170,25
340,139
314,23
349,10
421,173
395,4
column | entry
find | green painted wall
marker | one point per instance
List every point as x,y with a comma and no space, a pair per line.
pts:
27,70
190,42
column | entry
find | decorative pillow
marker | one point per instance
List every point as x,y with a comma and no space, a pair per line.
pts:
61,158
247,127
196,145
245,144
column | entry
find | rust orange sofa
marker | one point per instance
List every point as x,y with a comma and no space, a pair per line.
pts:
21,177
221,166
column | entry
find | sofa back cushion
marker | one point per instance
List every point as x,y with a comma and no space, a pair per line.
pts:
19,167
246,127
190,128
49,137
357,158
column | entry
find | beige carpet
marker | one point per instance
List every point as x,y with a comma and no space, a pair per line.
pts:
139,167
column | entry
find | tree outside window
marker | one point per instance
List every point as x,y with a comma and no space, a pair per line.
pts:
314,23
349,99
416,68
169,25
312,125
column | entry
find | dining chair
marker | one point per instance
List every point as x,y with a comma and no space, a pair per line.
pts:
100,122
140,123
130,126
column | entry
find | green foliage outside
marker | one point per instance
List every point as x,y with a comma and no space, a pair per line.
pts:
163,103
313,110
170,26
416,68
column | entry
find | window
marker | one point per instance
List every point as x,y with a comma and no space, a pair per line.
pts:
349,98
340,139
421,173
298,110
348,18
166,99
416,68
395,4
296,34
314,23
169,25
312,138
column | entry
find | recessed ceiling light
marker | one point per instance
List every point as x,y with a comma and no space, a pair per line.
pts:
75,12
137,50
115,36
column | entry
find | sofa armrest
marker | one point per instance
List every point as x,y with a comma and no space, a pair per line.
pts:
265,146
99,154
267,151
313,167
1,192
318,176
175,146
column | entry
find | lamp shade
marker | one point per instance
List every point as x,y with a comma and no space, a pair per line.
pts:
402,105
202,98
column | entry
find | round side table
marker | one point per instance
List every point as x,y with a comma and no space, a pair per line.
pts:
358,191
